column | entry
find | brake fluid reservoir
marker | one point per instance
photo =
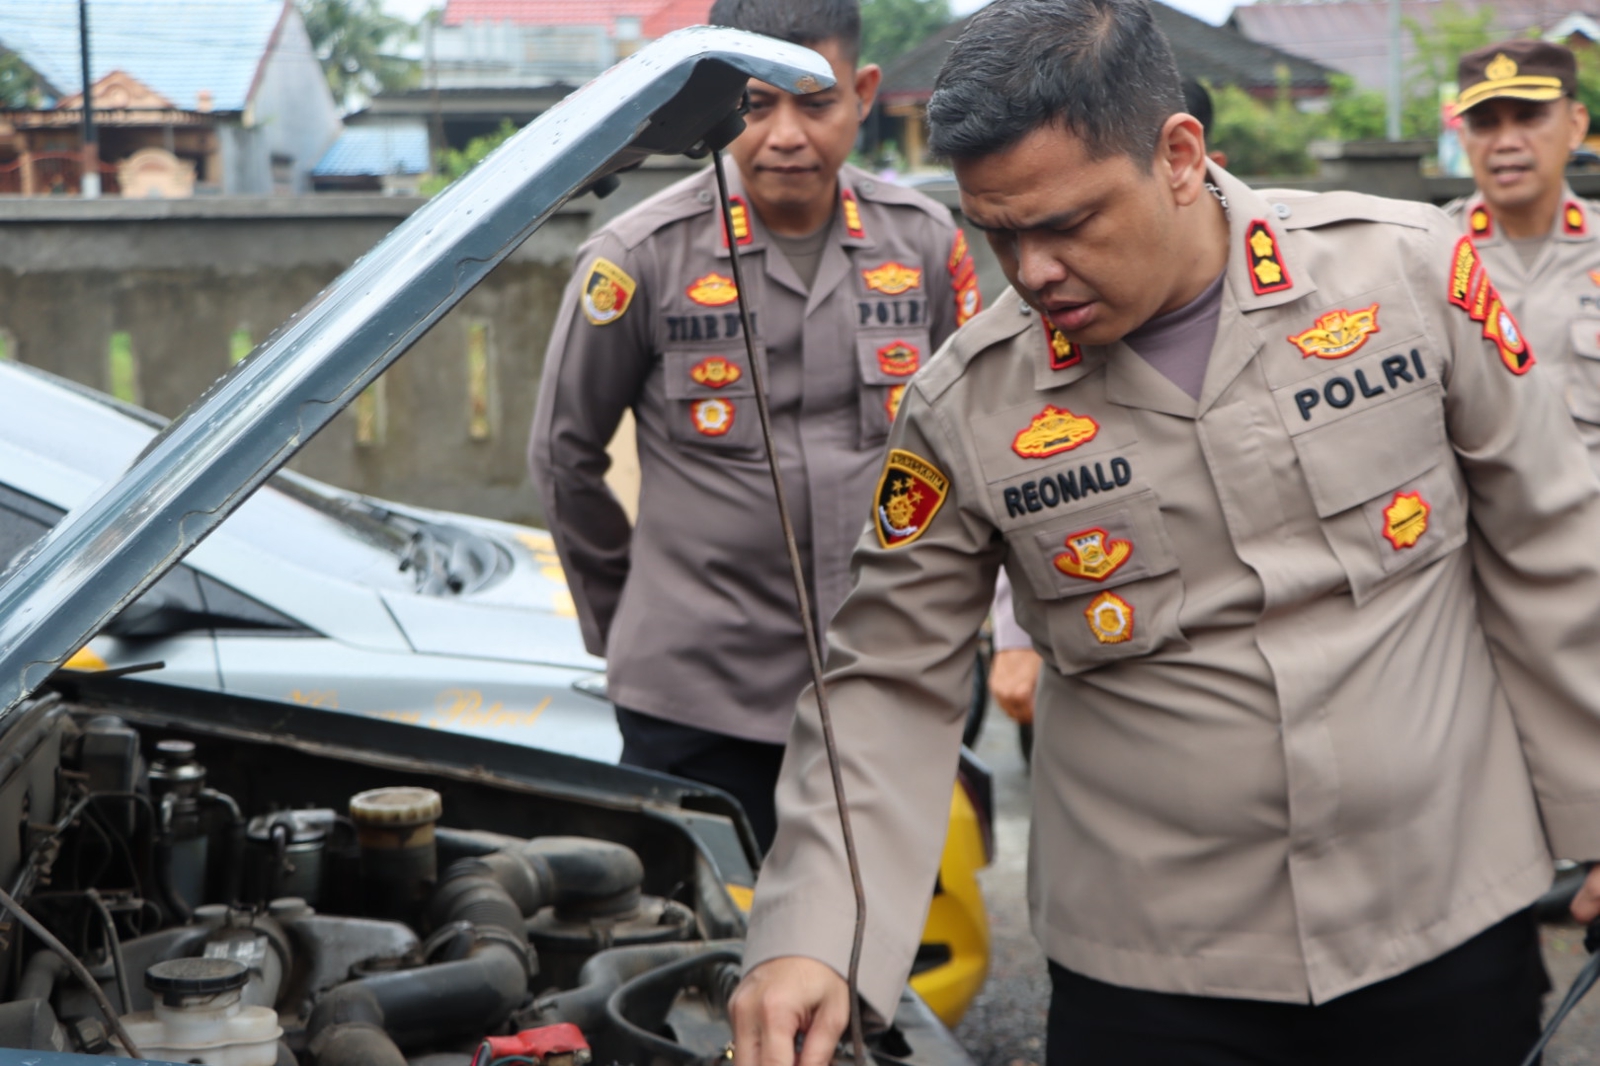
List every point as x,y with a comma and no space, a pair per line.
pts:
198,1016
398,855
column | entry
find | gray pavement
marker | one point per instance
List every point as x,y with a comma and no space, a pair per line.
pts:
1005,1025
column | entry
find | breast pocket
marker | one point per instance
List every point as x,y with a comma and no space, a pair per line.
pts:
1386,488
1583,388
885,361
1106,579
711,400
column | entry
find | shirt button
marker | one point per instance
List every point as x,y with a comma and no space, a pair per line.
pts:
868,186
1024,310
704,196
1281,210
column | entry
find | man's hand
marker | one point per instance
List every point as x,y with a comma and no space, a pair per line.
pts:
1013,675
1586,904
782,998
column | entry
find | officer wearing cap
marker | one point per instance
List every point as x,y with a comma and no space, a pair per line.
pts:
853,282
1313,554
1519,125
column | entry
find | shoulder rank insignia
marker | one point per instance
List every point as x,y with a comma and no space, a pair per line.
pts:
910,493
739,215
1110,618
852,213
1063,353
1093,555
1053,431
1405,520
899,359
713,290
893,278
1479,222
1337,333
607,291
891,402
714,372
1471,290
712,417
1267,271
1574,223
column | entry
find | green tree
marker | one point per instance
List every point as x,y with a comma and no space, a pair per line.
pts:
891,28
451,163
1262,139
1455,32
19,85
356,44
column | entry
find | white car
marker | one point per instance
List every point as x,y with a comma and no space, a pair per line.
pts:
314,595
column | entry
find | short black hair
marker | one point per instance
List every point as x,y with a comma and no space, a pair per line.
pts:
807,22
1197,101
1099,68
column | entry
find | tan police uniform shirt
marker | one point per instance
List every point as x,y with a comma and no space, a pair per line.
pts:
1556,297
694,609
1322,690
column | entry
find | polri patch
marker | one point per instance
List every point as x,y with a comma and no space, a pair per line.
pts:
910,493
852,214
1268,273
893,278
713,290
899,358
1093,555
1053,431
1110,618
1574,223
714,372
1337,333
1063,353
712,418
607,292
1405,520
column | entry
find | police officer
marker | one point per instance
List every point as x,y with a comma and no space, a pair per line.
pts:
1519,125
1313,553
853,283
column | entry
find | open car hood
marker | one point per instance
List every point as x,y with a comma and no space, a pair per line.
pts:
672,96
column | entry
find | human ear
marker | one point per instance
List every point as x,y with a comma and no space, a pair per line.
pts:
868,78
1181,157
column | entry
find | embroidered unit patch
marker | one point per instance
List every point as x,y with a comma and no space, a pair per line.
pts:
1573,221
893,278
964,280
1337,333
899,359
910,492
712,417
1267,270
1110,618
891,403
1463,270
1053,431
739,214
1477,296
1063,353
960,254
1093,555
1405,520
1500,327
969,301
714,372
852,214
607,292
713,290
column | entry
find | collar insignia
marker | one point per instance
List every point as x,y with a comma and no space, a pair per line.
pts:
891,403
1063,353
713,417
713,290
739,212
1337,333
899,359
1053,431
1093,555
607,292
1482,225
1110,618
1405,520
1267,271
893,278
1573,221
910,492
714,372
852,214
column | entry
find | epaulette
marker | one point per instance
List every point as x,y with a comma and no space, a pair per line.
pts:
994,325
887,192
684,199
1331,208
1455,207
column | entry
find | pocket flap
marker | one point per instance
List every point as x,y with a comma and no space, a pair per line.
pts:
890,357
695,373
1586,337
1374,451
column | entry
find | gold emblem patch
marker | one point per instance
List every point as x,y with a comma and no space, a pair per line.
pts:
1093,555
714,372
1053,431
1337,333
892,402
713,290
712,417
892,278
1267,271
910,493
607,292
1500,68
1479,221
1405,520
1110,618
899,359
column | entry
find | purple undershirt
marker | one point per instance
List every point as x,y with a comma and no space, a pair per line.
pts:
1179,343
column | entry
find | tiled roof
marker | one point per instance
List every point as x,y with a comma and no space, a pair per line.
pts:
657,17
376,150
179,48
1353,35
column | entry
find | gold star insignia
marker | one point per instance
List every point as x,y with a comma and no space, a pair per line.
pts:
1269,272
1261,244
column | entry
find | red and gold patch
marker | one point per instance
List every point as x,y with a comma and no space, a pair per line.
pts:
1500,327
969,301
910,492
1405,520
1574,223
1471,290
713,290
714,372
1093,555
739,215
960,255
891,402
1268,273
899,359
1463,269
1594,276
1479,222
1110,618
1337,334
1053,431
712,417
893,278
607,292
852,214
1063,353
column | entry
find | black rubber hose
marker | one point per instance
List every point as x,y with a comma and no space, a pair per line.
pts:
607,971
346,1029
39,978
639,1008
588,878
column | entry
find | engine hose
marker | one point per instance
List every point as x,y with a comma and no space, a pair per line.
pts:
639,1008
582,878
601,976
346,1029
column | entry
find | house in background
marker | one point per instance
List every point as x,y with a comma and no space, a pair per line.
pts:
190,96
1216,55
385,158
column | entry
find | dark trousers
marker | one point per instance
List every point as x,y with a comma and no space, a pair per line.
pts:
748,769
1477,1005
